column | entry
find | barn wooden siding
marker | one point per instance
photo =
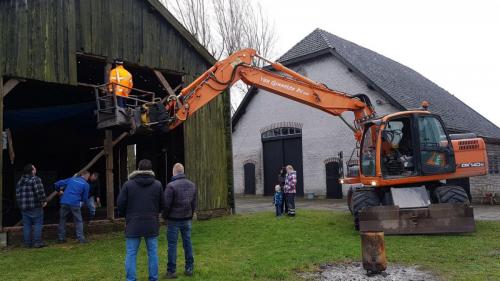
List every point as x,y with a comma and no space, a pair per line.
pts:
40,39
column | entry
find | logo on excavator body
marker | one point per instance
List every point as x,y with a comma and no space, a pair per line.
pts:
284,86
471,165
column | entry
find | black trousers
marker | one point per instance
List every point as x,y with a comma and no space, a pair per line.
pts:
290,202
284,205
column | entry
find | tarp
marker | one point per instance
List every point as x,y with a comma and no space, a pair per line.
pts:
82,114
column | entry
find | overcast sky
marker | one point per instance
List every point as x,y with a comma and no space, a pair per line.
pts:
456,44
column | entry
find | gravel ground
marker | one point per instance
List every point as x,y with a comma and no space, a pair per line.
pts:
355,272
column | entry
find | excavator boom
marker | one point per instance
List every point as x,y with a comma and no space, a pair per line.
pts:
287,83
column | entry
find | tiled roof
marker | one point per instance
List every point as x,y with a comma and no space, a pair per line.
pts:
399,83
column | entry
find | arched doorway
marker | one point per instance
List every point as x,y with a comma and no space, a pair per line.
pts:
249,173
282,146
333,167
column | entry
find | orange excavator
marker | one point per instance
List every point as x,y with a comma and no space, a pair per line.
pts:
407,160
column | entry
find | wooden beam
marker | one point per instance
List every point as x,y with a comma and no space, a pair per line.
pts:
12,153
102,153
1,151
110,190
164,83
9,86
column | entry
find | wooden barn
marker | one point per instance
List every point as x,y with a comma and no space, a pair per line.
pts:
53,51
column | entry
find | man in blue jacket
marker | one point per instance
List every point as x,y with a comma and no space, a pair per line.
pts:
75,193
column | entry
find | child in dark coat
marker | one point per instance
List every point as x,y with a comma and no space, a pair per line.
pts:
278,201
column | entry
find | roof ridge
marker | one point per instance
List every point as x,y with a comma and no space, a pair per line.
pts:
317,30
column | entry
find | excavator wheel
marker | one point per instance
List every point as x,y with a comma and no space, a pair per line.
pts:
362,199
451,194
349,200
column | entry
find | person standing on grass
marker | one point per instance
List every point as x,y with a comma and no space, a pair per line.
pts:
180,204
74,193
141,202
281,182
278,200
94,194
30,197
290,189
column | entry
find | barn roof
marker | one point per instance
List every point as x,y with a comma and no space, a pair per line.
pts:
401,85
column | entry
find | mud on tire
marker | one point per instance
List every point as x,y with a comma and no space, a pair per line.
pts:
362,199
451,194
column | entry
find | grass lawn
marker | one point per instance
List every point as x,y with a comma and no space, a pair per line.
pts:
261,247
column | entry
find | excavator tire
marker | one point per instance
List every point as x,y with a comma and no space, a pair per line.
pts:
362,199
349,200
451,194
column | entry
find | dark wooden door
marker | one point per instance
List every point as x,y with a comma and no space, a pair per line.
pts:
279,152
333,186
249,169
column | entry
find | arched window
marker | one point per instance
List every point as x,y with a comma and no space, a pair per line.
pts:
281,132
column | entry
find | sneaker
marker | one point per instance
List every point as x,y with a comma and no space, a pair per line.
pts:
188,272
40,245
170,275
61,241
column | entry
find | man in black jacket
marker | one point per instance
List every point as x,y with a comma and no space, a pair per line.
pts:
141,201
180,204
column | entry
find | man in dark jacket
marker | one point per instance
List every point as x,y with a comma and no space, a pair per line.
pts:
74,193
180,204
141,202
30,197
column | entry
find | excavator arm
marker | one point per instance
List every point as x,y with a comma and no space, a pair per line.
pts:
287,83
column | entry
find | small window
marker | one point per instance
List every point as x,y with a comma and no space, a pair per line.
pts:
368,152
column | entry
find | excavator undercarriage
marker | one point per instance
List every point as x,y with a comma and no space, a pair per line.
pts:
408,210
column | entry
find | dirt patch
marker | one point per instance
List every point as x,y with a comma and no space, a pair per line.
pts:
355,272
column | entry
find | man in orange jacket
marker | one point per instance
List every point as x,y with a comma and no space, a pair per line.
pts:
120,83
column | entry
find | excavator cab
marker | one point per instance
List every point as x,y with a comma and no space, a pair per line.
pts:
405,159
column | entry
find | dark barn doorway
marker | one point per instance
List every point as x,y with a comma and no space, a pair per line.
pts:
333,186
281,147
249,170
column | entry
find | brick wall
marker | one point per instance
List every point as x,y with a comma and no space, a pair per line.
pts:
489,182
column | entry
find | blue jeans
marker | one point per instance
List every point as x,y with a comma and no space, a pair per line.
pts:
279,210
173,228
77,219
132,245
121,102
91,206
32,217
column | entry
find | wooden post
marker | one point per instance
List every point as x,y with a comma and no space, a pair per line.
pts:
110,194
373,252
1,153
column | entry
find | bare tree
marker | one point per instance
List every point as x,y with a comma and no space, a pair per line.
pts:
226,26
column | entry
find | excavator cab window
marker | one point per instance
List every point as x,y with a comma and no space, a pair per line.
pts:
436,153
397,154
369,151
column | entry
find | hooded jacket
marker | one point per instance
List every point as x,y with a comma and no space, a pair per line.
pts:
141,201
291,182
180,199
